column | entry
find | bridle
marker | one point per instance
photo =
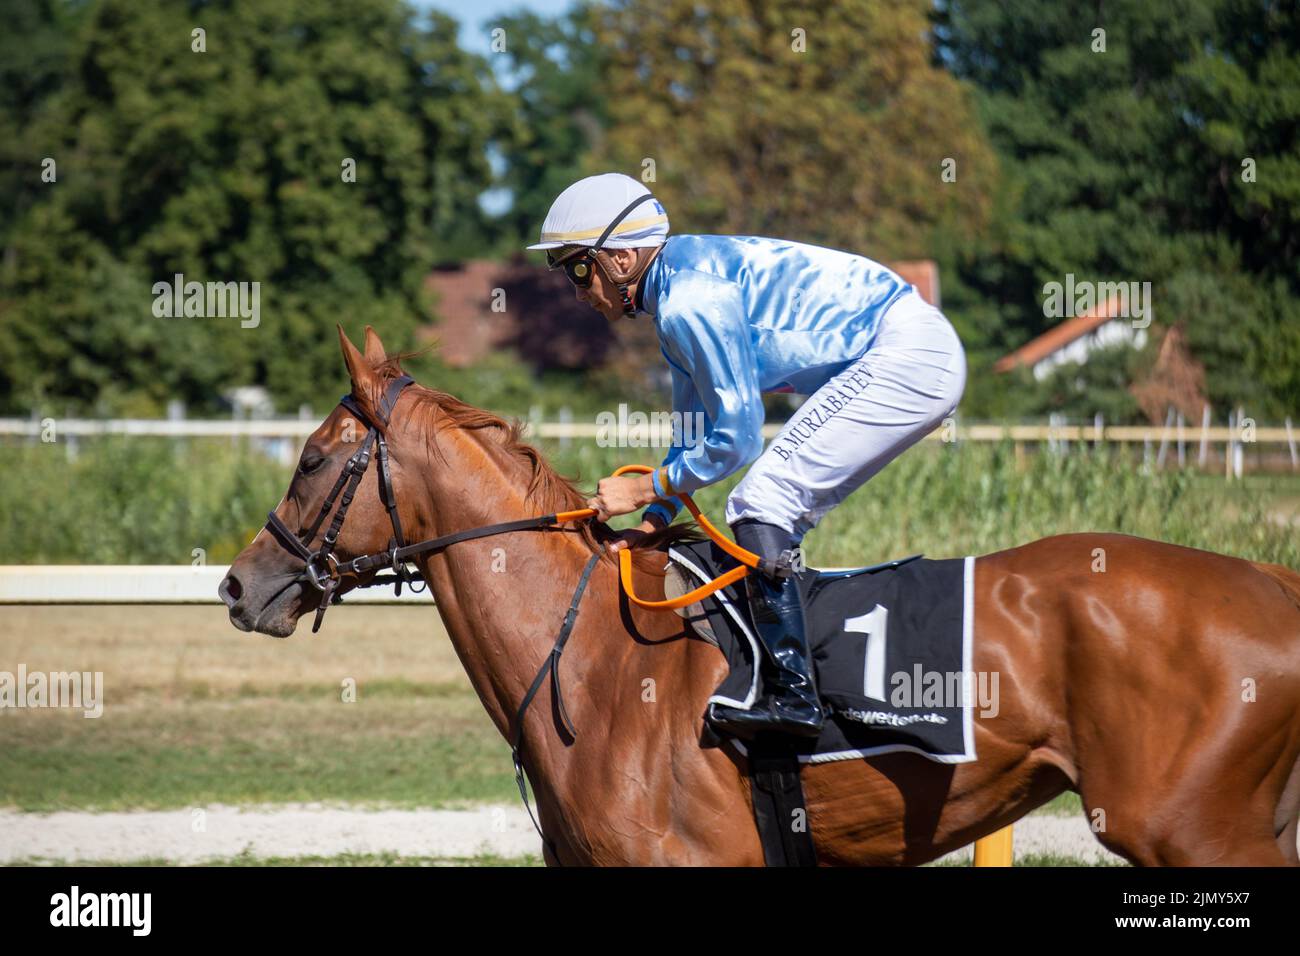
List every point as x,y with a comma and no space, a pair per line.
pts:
322,569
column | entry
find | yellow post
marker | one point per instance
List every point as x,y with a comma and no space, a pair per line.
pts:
995,849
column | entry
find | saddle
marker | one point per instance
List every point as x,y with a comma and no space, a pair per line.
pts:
891,648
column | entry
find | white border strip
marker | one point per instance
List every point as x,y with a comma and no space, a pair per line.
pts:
968,653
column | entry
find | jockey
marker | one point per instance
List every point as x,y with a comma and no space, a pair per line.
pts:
737,316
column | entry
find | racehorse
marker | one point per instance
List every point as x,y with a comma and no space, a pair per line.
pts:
1164,689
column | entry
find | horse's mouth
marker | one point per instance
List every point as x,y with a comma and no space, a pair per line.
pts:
278,617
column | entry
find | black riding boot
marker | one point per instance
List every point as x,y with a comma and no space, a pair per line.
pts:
790,704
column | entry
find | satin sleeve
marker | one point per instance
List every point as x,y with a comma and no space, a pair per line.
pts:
715,381
685,403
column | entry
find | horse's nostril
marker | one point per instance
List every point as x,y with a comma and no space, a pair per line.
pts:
230,590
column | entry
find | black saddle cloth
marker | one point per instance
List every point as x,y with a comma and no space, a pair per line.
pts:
891,647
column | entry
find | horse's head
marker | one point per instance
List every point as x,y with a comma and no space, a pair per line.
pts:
292,562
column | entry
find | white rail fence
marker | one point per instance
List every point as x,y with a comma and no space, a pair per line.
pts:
141,584
1203,445
147,584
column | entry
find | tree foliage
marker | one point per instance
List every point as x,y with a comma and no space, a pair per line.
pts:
1014,141
556,70
824,123
1145,141
227,165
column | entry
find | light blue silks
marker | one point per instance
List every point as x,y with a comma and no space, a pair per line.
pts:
741,315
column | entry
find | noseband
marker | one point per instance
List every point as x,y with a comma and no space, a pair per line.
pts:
322,569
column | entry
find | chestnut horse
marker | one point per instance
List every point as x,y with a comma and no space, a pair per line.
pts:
1164,689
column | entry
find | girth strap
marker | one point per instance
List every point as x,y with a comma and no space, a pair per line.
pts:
780,811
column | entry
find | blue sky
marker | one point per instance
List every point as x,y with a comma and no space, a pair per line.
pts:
472,14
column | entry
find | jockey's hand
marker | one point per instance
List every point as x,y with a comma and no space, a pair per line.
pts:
622,495
628,538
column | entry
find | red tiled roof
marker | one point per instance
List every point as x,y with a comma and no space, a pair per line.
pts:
468,328
924,274
1058,337
538,316
541,317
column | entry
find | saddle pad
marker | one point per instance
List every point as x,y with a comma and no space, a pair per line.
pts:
891,648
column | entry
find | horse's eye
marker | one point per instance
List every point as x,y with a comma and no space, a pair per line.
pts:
311,464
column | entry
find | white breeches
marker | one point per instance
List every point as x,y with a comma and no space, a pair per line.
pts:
910,379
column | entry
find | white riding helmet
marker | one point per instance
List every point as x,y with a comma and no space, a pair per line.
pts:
584,211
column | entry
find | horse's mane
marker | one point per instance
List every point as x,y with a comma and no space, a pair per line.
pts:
548,490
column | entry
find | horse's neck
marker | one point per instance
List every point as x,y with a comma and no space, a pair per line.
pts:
502,598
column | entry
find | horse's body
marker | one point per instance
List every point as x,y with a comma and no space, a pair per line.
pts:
1131,685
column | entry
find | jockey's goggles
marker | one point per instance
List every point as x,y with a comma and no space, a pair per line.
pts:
578,264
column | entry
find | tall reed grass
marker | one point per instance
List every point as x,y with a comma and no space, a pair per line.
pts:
146,501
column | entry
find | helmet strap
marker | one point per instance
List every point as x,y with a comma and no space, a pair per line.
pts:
622,281
644,256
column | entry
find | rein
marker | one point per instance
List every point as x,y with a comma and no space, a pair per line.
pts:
323,571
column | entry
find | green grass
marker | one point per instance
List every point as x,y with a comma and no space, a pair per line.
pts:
419,751
133,501
1066,804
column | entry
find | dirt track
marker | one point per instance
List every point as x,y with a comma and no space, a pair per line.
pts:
306,830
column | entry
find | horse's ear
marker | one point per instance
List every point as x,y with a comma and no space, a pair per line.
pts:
364,378
375,354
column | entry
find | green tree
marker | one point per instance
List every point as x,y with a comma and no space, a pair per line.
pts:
228,165
826,124
555,68
1124,131
34,47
